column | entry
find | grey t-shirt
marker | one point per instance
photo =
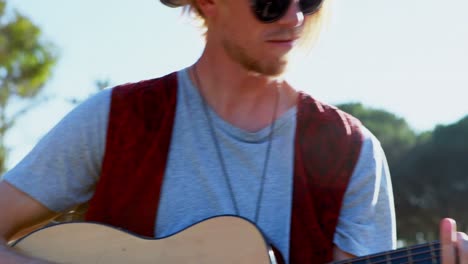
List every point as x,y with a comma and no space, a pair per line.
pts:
63,168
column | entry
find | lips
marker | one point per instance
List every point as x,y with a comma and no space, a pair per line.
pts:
287,43
282,40
286,39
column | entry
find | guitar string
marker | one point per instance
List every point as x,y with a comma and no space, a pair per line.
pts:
420,261
403,250
395,258
391,260
410,262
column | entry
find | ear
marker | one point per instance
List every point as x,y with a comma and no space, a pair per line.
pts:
207,7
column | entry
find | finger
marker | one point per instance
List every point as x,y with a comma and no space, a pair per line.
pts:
462,244
448,238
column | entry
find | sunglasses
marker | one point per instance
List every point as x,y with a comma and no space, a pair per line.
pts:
268,11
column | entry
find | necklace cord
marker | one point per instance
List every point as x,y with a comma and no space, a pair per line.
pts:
220,154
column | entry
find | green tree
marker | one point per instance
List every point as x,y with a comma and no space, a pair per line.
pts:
432,181
429,171
394,133
26,62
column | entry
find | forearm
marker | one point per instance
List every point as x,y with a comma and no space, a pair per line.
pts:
19,213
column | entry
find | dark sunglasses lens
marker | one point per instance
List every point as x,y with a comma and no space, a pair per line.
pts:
310,6
270,10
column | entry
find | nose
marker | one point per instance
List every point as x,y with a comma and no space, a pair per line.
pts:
294,16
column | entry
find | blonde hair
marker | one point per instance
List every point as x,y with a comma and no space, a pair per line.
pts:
312,28
314,25
194,12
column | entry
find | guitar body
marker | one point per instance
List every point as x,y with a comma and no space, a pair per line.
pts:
224,239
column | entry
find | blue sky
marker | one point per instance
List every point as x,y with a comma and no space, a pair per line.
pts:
409,57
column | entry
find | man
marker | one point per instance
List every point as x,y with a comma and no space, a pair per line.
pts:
224,136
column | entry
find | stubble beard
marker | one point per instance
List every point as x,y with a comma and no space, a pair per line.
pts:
265,67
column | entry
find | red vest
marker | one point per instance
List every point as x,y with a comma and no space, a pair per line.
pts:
327,146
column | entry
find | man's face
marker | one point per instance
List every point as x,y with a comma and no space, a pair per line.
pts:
259,47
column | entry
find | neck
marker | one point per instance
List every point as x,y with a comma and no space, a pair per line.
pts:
242,98
423,253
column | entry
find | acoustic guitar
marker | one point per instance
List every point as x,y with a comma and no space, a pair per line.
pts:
222,239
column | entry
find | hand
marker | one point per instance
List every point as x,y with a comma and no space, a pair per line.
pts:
454,245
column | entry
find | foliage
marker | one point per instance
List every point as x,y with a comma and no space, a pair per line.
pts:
429,171
432,180
26,62
394,133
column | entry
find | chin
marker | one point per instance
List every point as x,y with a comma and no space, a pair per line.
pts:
266,69
265,64
273,68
